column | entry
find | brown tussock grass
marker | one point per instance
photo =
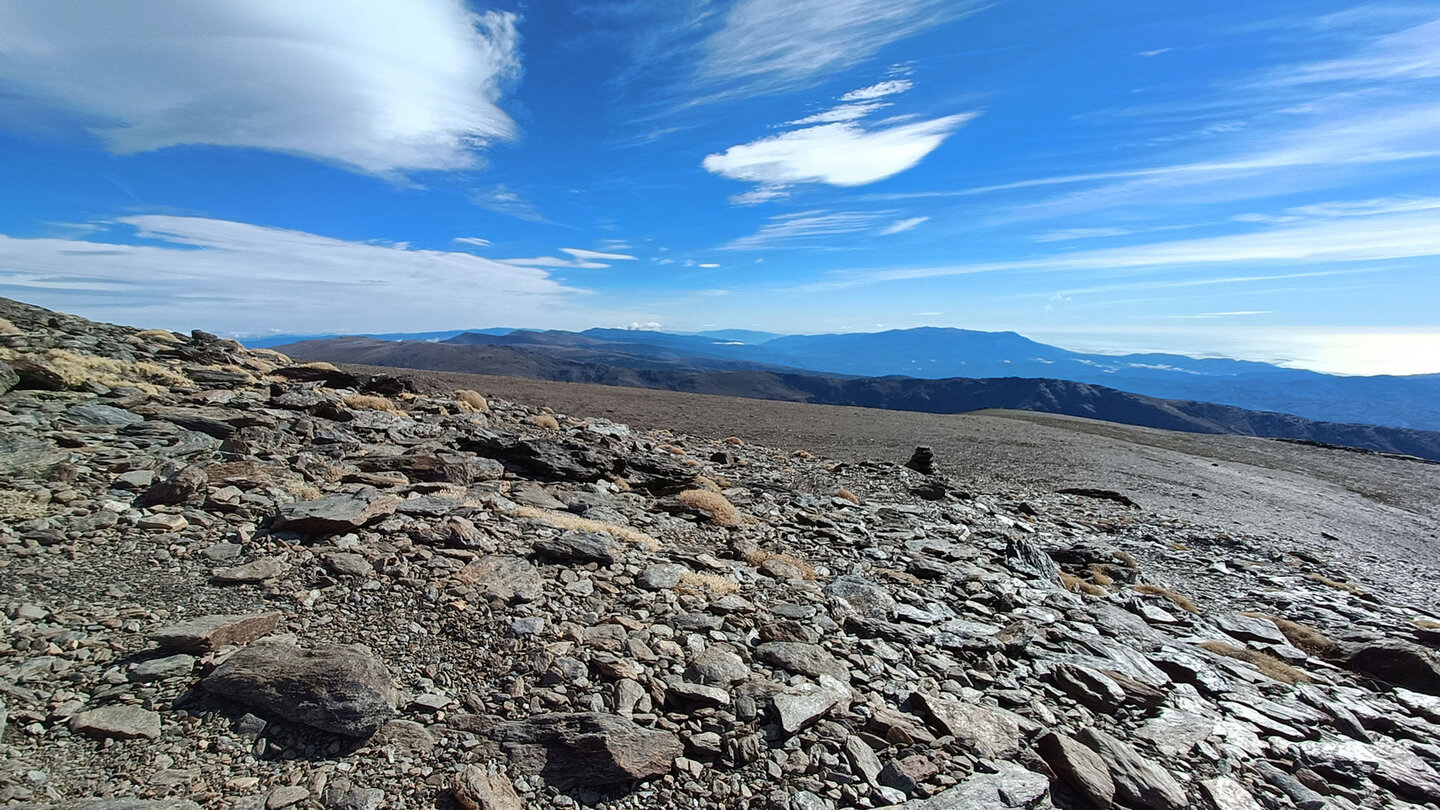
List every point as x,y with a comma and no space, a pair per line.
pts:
1075,584
368,402
720,510
735,441
1126,558
1337,584
671,449
1178,546
319,366
8,328
546,421
563,520
898,576
19,506
695,583
1099,577
1302,636
272,356
1427,624
471,401
155,334
802,454
77,369
848,495
1269,665
701,482
1183,602
807,571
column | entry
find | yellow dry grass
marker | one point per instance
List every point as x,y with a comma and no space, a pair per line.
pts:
272,356
1337,584
368,402
759,556
735,441
671,449
1099,577
563,520
1269,665
1075,584
720,510
1302,636
701,482
712,584
8,328
19,506
155,334
319,366
77,369
1427,624
1126,558
897,576
802,454
1183,602
471,400
546,421
848,495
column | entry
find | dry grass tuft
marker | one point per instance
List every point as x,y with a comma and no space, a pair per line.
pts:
77,369
701,482
1126,558
735,441
759,556
546,421
802,454
1099,576
1075,584
848,495
367,402
319,366
1269,665
1184,602
272,356
671,449
1338,584
19,506
712,584
1426,624
1176,545
897,576
563,520
720,510
1302,636
157,334
471,401
302,490
8,328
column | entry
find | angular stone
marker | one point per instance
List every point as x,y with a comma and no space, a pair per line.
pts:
8,377
254,571
286,796
102,415
1090,688
1080,767
158,669
478,788
1391,766
1024,557
587,749
798,707
988,733
343,689
694,694
1010,786
1250,628
508,579
1398,662
1227,794
1138,781
854,595
863,759
908,775
718,666
183,486
661,576
212,632
333,514
120,722
114,804
346,564
802,659
579,547
163,522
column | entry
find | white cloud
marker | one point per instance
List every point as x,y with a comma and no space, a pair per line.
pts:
889,87
708,265
1156,52
381,88
765,46
805,227
504,200
1069,234
1413,53
583,255
835,154
473,240
235,277
840,114
759,194
902,225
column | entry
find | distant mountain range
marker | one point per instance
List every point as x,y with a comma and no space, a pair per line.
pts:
933,353
710,365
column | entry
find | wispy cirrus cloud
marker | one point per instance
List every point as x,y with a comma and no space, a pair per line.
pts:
902,225
239,278
394,89
808,229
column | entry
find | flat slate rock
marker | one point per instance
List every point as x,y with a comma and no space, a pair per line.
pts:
988,733
587,748
333,514
118,722
1138,781
212,632
343,689
114,804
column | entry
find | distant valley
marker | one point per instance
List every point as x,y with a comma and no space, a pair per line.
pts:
706,364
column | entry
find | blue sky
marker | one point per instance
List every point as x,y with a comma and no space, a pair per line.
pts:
1244,179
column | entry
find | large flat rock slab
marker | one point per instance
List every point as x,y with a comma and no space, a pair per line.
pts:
333,514
343,689
212,632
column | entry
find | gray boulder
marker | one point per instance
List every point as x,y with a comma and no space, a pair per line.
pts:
587,749
343,689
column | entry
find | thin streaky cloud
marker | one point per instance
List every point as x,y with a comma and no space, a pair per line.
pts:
582,254
902,225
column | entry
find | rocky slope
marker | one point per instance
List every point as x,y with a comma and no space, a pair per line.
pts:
233,581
